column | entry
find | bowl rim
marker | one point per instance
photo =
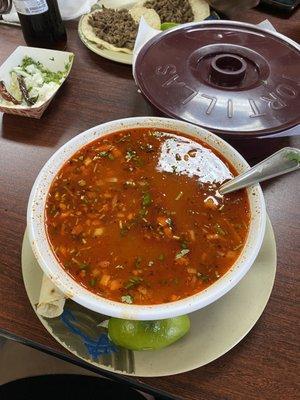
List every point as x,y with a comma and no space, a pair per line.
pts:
51,267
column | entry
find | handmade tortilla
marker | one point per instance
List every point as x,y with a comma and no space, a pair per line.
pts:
200,9
150,16
52,300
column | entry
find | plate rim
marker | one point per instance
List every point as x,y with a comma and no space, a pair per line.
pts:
269,229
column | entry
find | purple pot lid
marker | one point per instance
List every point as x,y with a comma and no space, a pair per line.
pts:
229,77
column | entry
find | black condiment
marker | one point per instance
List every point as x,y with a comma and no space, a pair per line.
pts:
41,23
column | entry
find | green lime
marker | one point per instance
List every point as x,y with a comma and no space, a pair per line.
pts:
168,25
147,335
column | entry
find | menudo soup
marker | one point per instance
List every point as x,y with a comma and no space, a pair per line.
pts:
136,216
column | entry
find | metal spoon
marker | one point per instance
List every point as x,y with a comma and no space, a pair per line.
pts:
283,161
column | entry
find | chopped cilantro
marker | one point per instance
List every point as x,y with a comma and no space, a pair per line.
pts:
167,25
143,212
124,230
203,277
105,154
130,154
219,230
83,266
146,200
293,156
182,253
132,282
49,76
127,299
137,262
169,222
183,245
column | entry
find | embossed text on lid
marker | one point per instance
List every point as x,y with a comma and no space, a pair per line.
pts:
231,78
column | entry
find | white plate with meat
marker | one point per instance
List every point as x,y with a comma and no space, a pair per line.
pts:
111,32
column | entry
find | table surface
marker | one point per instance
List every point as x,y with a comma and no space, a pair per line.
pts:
264,364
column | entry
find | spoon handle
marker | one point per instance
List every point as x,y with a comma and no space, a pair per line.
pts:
283,161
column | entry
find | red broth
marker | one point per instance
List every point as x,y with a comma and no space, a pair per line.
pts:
136,217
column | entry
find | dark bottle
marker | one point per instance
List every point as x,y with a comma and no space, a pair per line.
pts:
5,6
41,23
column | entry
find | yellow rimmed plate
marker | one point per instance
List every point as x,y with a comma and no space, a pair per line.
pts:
120,57
215,329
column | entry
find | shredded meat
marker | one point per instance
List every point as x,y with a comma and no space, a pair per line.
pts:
179,11
116,27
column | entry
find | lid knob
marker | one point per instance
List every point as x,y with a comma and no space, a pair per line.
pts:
228,70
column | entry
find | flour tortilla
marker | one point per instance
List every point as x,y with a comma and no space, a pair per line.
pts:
52,300
150,16
200,9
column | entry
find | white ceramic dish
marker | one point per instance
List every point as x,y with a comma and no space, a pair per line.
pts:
117,56
54,60
49,264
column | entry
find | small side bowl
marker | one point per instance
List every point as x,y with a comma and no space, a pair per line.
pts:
54,60
49,264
